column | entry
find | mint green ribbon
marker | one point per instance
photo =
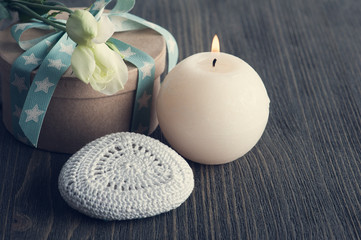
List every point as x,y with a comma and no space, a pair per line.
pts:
51,54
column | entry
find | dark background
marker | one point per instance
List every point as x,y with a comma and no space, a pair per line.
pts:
302,180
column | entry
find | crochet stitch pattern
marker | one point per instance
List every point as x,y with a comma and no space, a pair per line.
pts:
125,176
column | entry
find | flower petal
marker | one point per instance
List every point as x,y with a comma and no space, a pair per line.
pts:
111,73
81,26
83,63
105,30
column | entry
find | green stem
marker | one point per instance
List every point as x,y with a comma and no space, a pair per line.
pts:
33,14
42,6
53,3
57,22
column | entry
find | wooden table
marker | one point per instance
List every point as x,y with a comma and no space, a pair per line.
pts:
303,178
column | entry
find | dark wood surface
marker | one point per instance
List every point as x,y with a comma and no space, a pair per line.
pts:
303,178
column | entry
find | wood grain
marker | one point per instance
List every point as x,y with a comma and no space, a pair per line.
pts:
303,178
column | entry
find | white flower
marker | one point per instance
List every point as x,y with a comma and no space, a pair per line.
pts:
92,60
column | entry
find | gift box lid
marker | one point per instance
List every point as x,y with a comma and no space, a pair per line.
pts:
146,40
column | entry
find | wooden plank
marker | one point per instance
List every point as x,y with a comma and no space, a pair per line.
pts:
303,178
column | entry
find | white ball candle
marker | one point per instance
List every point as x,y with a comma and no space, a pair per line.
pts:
212,108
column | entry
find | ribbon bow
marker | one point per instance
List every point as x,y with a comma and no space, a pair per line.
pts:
51,54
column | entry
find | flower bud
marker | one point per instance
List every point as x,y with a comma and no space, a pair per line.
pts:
82,27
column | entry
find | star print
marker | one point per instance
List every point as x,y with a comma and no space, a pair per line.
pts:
31,59
143,101
17,111
56,63
21,26
98,5
127,53
43,85
48,43
68,49
19,83
33,114
171,45
141,128
118,22
146,69
26,45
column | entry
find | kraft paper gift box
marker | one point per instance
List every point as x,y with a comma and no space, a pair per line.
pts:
77,114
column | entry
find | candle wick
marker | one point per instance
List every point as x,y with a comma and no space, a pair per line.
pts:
214,62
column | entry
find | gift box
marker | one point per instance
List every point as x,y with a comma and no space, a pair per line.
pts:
77,114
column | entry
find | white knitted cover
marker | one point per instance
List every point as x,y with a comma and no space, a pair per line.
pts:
125,176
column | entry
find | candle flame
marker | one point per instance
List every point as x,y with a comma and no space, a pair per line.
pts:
215,44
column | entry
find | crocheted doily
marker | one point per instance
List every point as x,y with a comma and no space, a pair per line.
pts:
125,176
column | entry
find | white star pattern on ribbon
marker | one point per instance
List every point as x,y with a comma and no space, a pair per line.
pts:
143,101
43,85
33,114
21,26
31,59
56,63
68,49
146,69
48,43
98,5
171,44
26,45
127,53
17,111
118,22
19,83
